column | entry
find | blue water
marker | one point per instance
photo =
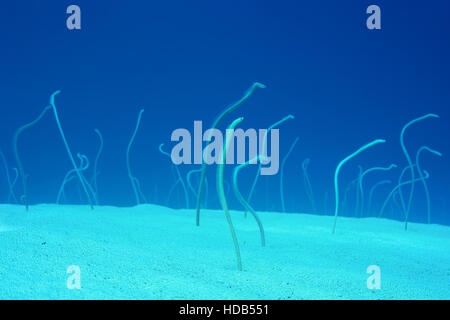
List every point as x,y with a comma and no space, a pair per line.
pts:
184,61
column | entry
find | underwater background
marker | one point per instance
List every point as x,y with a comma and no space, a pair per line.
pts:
184,61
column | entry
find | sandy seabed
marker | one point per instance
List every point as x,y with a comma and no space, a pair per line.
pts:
154,252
